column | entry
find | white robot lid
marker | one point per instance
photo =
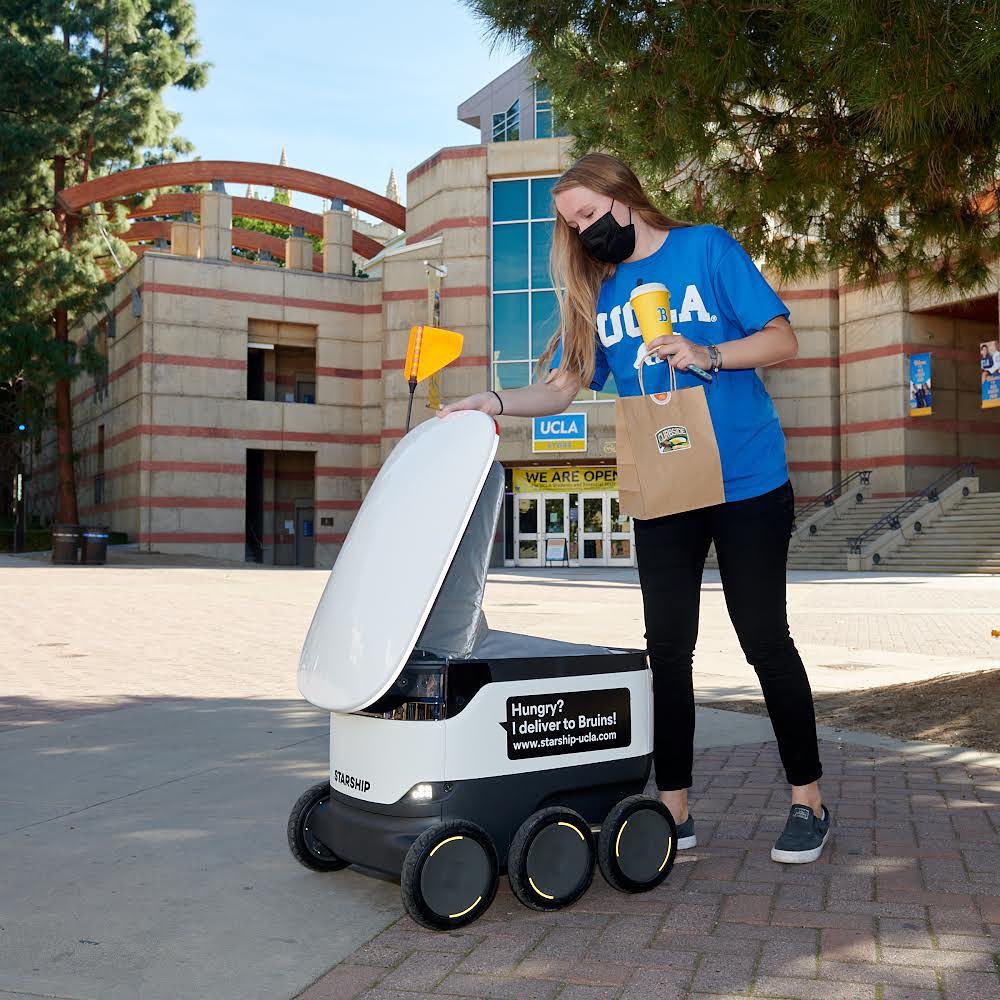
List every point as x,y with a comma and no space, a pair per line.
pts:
394,561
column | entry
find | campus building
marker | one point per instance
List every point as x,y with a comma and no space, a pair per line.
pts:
248,406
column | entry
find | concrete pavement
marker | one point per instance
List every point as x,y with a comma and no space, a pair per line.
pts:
143,855
152,741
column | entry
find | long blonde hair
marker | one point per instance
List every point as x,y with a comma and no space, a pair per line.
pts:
576,276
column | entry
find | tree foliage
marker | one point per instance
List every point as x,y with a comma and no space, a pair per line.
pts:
858,133
81,85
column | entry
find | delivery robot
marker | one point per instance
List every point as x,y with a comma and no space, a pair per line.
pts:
457,752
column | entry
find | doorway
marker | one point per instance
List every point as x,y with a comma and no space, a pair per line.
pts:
280,507
596,531
305,544
605,532
538,517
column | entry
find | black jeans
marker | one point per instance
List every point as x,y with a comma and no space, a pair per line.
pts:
751,541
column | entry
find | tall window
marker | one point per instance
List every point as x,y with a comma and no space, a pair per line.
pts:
507,124
525,308
543,113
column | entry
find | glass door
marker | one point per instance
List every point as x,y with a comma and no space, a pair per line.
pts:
574,529
555,522
526,534
595,529
620,550
593,521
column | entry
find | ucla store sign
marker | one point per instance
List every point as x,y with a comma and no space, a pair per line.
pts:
566,432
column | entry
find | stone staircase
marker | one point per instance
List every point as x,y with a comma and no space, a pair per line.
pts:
965,540
827,549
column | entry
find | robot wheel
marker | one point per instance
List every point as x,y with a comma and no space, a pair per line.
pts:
306,848
551,860
637,844
450,875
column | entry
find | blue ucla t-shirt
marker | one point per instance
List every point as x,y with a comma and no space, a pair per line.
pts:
716,294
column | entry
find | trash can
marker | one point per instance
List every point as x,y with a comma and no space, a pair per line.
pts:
65,541
95,546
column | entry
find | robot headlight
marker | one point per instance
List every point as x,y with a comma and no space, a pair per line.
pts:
428,791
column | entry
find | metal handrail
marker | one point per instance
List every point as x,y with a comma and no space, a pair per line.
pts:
895,517
833,493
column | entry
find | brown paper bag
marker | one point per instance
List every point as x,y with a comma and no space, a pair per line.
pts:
668,458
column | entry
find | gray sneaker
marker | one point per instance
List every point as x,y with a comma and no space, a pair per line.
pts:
685,834
803,838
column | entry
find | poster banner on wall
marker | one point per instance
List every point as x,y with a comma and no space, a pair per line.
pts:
565,479
989,363
920,385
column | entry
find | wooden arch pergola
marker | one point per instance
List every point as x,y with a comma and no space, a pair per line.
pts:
249,208
141,179
245,239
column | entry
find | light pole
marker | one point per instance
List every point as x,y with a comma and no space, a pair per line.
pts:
19,504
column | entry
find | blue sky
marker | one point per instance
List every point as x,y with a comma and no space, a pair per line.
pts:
351,89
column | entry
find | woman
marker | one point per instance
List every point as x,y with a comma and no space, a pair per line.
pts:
607,237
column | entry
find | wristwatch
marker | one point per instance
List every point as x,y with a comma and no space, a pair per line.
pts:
715,357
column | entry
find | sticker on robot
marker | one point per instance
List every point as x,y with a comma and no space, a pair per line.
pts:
572,722
671,439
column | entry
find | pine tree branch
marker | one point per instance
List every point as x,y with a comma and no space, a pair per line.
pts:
102,89
107,62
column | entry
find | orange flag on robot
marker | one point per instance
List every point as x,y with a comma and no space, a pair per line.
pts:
430,349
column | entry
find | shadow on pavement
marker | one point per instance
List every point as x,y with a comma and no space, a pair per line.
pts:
144,852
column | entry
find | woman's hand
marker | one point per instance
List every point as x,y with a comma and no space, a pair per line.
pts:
485,402
681,352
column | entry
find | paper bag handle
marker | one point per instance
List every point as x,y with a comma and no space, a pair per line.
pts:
672,379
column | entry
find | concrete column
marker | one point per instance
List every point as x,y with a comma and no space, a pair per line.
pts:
337,240
807,393
875,330
270,376
216,223
298,250
185,237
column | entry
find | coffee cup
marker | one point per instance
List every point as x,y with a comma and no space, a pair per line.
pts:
650,302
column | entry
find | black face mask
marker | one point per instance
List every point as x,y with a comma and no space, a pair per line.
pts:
608,241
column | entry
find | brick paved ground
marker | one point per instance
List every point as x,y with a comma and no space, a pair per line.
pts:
906,904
